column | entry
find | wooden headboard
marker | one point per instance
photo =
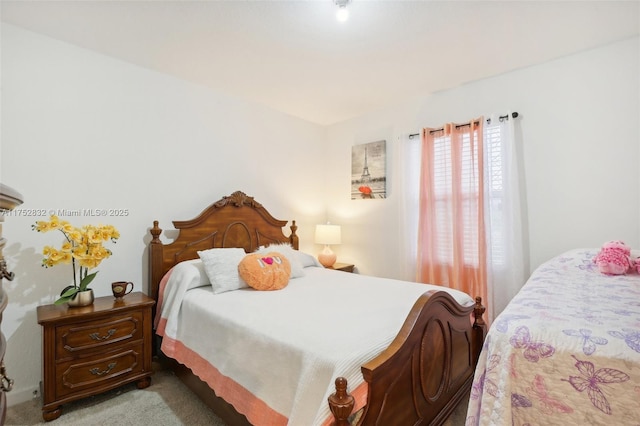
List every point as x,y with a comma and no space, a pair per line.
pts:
236,220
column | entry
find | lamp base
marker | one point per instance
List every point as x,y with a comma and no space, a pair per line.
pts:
327,257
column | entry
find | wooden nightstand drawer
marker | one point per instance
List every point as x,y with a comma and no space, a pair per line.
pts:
97,370
97,335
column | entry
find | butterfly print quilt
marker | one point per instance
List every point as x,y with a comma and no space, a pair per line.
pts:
566,351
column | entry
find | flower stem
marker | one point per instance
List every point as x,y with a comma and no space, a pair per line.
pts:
73,265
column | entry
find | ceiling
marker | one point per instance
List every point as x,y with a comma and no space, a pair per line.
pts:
295,57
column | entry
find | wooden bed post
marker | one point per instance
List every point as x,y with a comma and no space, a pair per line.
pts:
156,249
155,260
479,329
341,403
293,238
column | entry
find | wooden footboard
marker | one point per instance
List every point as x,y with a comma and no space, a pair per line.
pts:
425,372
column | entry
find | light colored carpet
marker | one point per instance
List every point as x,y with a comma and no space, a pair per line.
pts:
166,402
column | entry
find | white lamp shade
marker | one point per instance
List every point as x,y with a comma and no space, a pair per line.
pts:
328,234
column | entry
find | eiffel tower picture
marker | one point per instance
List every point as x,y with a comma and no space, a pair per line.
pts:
368,171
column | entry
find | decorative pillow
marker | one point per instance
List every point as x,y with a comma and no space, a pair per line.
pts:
265,271
221,266
290,253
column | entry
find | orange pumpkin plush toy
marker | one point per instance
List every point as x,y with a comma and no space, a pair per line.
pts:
268,271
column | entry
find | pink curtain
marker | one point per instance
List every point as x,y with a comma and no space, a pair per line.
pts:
451,233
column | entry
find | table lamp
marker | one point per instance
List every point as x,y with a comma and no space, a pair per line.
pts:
327,235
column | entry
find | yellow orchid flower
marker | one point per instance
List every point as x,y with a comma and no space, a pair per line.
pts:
82,248
42,226
67,227
88,262
54,222
54,255
75,236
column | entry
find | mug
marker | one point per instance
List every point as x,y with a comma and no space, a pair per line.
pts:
120,288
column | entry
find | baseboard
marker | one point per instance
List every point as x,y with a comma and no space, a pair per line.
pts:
17,396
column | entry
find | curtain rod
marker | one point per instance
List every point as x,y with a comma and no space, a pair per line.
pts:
501,118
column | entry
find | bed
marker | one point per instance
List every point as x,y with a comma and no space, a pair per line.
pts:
566,350
367,350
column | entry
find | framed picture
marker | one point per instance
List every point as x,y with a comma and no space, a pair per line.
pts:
368,171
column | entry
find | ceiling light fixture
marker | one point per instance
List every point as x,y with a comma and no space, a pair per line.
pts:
343,13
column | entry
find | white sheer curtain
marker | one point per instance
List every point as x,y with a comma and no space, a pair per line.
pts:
408,155
503,214
503,210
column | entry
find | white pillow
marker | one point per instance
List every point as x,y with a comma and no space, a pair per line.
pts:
221,266
297,270
307,260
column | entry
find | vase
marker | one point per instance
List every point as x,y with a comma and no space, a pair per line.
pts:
82,298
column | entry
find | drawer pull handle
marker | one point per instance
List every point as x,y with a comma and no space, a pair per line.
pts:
6,384
96,336
96,371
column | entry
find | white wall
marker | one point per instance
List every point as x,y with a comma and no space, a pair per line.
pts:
82,130
579,130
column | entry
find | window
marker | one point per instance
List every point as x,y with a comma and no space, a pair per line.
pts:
447,206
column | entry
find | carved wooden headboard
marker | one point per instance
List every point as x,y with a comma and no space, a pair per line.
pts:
236,220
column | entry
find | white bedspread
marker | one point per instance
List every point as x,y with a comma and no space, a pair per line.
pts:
566,351
282,350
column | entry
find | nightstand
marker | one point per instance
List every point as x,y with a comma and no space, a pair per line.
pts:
346,267
92,349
